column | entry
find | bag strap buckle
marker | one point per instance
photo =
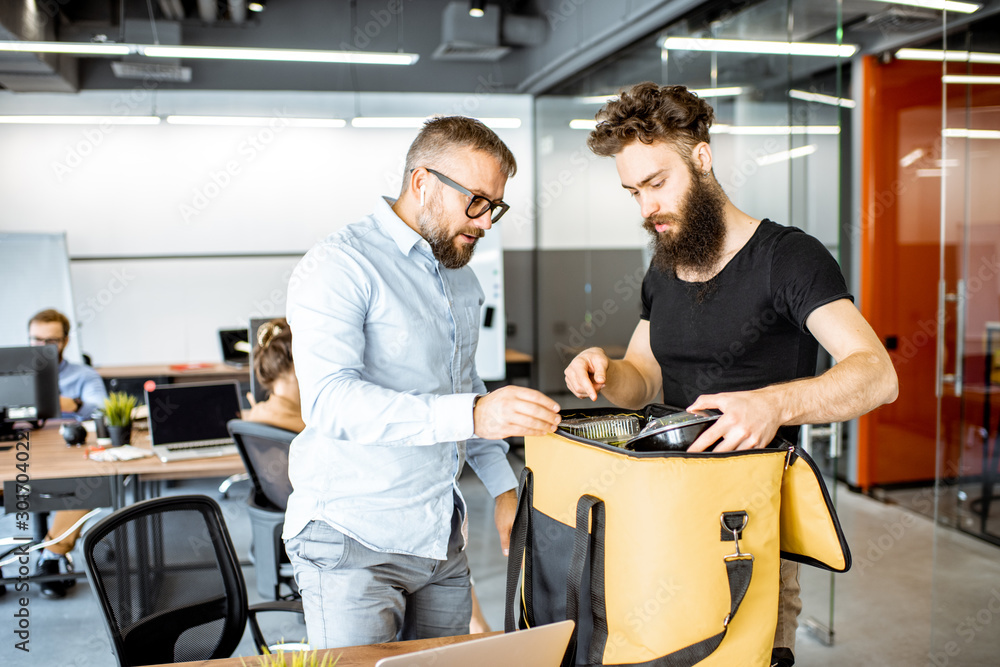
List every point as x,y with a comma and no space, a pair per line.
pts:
734,523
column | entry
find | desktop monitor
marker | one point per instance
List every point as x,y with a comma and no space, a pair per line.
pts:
29,386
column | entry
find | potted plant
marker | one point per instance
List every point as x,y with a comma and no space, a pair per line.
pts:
118,408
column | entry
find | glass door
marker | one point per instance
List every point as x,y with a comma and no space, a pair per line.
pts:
965,574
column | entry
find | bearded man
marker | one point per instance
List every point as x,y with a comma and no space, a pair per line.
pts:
733,307
385,316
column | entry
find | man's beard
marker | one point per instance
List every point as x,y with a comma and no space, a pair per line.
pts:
699,233
442,242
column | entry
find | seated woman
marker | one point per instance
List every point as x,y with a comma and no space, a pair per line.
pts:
276,371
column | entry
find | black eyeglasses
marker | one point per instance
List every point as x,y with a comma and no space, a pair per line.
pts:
478,205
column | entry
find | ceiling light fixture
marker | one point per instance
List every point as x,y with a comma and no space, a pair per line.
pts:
213,52
784,156
477,8
936,55
257,5
971,79
730,91
753,46
947,5
79,48
407,122
822,99
80,120
775,130
255,121
962,133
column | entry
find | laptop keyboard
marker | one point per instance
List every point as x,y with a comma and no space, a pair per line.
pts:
180,446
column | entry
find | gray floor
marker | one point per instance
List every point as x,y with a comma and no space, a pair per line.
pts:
910,582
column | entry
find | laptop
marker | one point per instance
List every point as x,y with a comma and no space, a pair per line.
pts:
543,646
235,347
188,421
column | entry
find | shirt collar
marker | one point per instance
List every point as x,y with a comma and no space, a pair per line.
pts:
401,233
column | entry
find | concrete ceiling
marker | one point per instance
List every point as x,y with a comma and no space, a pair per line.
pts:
575,35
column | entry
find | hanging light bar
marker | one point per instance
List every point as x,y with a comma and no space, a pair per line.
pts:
762,47
936,55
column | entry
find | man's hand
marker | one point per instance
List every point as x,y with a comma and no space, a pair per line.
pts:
67,404
503,514
749,420
587,374
514,410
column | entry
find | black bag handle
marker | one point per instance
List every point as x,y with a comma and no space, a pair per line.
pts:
739,571
520,547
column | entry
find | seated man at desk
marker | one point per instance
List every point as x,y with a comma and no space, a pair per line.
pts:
81,392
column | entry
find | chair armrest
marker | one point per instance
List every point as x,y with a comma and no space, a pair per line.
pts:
293,606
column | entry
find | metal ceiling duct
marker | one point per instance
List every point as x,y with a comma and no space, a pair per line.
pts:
465,37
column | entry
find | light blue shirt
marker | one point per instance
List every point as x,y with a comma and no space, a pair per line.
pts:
84,383
384,341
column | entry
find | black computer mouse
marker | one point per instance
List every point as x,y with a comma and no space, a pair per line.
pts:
73,433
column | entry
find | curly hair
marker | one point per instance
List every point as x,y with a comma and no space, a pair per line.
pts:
274,354
647,112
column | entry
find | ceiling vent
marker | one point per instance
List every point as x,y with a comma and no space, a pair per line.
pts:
486,38
900,20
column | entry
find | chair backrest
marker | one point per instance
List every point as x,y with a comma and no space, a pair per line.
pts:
168,581
264,449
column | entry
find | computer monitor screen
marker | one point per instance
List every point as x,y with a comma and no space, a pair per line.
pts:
235,347
29,385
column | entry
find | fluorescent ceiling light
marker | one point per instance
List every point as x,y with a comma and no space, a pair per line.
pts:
952,56
255,121
822,99
279,55
701,92
948,5
930,173
81,120
721,128
213,52
911,157
962,133
81,48
405,122
752,46
784,156
779,130
972,79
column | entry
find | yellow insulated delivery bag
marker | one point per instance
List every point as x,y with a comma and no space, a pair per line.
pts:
663,558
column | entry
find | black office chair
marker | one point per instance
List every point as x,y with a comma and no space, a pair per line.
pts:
169,583
264,450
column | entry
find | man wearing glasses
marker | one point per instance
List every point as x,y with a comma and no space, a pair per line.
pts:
385,315
81,392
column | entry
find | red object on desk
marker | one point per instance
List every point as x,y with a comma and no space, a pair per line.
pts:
190,367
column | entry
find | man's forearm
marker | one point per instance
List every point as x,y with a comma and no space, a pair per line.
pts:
855,386
626,387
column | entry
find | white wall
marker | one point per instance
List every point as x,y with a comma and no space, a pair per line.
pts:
126,194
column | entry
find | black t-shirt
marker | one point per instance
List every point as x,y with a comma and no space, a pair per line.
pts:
749,331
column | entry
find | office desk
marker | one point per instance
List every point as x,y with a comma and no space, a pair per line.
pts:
352,656
210,372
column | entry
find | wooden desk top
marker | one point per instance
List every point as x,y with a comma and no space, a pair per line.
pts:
196,371
51,458
353,656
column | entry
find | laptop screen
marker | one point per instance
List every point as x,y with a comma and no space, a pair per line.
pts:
191,412
235,345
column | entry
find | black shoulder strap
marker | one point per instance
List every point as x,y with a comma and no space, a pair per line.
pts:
520,547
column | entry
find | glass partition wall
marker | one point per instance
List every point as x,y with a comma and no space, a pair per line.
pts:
778,146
